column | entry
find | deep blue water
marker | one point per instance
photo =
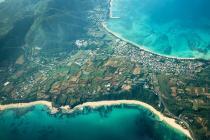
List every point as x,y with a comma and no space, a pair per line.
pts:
179,28
111,123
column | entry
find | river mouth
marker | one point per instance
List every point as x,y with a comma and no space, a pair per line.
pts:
173,28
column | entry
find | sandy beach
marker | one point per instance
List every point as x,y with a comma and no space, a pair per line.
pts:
30,104
66,109
133,43
140,46
169,121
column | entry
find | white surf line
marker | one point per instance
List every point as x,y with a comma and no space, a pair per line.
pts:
110,11
140,46
30,104
133,43
170,121
66,109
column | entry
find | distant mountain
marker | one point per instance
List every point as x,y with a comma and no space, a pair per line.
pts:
50,25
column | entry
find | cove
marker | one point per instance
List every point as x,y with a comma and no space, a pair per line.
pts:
173,28
124,122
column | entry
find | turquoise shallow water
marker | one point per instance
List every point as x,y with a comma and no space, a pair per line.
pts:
178,28
111,123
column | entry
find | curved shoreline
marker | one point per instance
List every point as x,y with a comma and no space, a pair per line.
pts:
170,121
142,47
30,104
135,44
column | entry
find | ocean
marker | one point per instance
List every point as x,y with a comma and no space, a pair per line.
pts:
174,28
105,123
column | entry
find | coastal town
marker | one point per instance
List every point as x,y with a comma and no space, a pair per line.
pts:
101,66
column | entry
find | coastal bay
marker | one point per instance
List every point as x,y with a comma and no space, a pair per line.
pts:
161,29
87,118
94,105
